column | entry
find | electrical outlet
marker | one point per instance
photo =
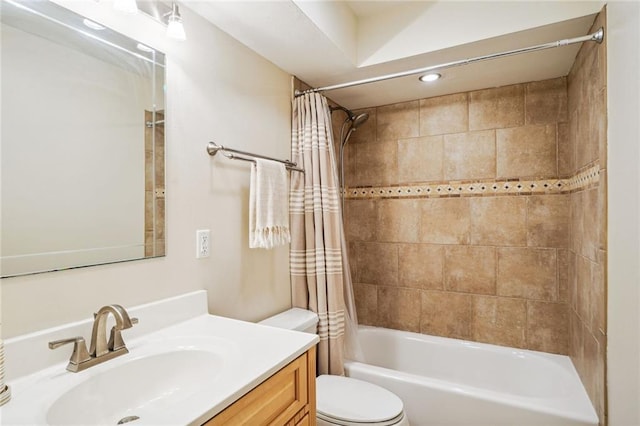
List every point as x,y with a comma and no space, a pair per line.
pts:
203,248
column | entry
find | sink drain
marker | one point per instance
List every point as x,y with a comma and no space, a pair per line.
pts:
128,419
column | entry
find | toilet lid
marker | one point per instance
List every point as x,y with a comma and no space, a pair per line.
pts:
353,400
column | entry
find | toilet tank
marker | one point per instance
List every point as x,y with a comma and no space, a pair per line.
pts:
294,319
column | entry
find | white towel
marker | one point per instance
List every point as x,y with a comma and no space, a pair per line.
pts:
268,205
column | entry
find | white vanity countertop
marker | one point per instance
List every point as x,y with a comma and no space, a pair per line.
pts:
247,354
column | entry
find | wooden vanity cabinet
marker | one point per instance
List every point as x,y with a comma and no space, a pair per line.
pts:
286,398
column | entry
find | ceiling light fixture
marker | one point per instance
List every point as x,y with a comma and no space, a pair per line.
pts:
92,25
175,29
144,48
126,6
427,78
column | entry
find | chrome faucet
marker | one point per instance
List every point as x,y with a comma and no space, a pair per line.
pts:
100,350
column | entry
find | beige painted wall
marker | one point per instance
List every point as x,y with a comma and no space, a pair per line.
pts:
217,89
623,314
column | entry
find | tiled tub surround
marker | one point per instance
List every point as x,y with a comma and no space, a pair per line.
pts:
587,144
457,249
480,216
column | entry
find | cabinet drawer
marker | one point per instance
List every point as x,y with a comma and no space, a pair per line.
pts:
275,401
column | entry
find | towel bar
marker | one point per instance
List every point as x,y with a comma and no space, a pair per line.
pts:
213,148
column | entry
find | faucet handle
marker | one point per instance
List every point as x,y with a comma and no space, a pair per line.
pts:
80,353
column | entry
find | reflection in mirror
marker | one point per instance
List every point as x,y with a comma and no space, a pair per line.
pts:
82,142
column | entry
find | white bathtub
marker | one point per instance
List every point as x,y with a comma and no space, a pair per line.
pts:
454,382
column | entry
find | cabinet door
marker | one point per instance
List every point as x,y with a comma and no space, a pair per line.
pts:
304,421
276,401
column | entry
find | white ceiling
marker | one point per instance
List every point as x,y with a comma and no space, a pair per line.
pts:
325,42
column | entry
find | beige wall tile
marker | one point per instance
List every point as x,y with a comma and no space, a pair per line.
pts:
148,209
160,223
584,280
546,101
377,263
444,114
530,273
148,170
566,150
350,177
576,346
563,275
148,243
160,247
496,108
470,155
591,127
587,106
573,281
398,221
574,90
399,308
601,129
366,296
420,159
597,296
576,221
548,327
548,221
592,224
589,374
447,314
421,266
398,121
352,254
600,380
499,221
470,269
445,220
361,220
375,163
528,151
499,320
603,209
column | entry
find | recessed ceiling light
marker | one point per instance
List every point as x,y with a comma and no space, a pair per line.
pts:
92,25
430,77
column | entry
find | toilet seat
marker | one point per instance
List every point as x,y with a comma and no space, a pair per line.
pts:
346,401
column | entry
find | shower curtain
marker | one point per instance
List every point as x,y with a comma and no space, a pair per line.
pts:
320,277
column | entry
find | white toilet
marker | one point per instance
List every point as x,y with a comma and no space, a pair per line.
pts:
343,400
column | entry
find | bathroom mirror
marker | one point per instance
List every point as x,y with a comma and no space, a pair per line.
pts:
82,142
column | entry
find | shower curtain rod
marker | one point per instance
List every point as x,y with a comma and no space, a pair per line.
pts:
598,36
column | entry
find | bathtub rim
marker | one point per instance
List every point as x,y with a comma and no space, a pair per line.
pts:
575,406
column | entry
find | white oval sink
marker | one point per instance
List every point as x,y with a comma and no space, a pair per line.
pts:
141,387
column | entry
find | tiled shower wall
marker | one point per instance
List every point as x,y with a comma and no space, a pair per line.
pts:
481,216
457,257
587,142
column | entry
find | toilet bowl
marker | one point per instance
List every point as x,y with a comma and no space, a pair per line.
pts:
341,400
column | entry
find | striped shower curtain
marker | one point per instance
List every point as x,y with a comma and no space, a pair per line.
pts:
317,235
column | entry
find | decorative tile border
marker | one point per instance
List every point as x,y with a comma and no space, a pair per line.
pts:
480,188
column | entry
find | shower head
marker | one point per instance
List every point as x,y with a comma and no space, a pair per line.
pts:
358,120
